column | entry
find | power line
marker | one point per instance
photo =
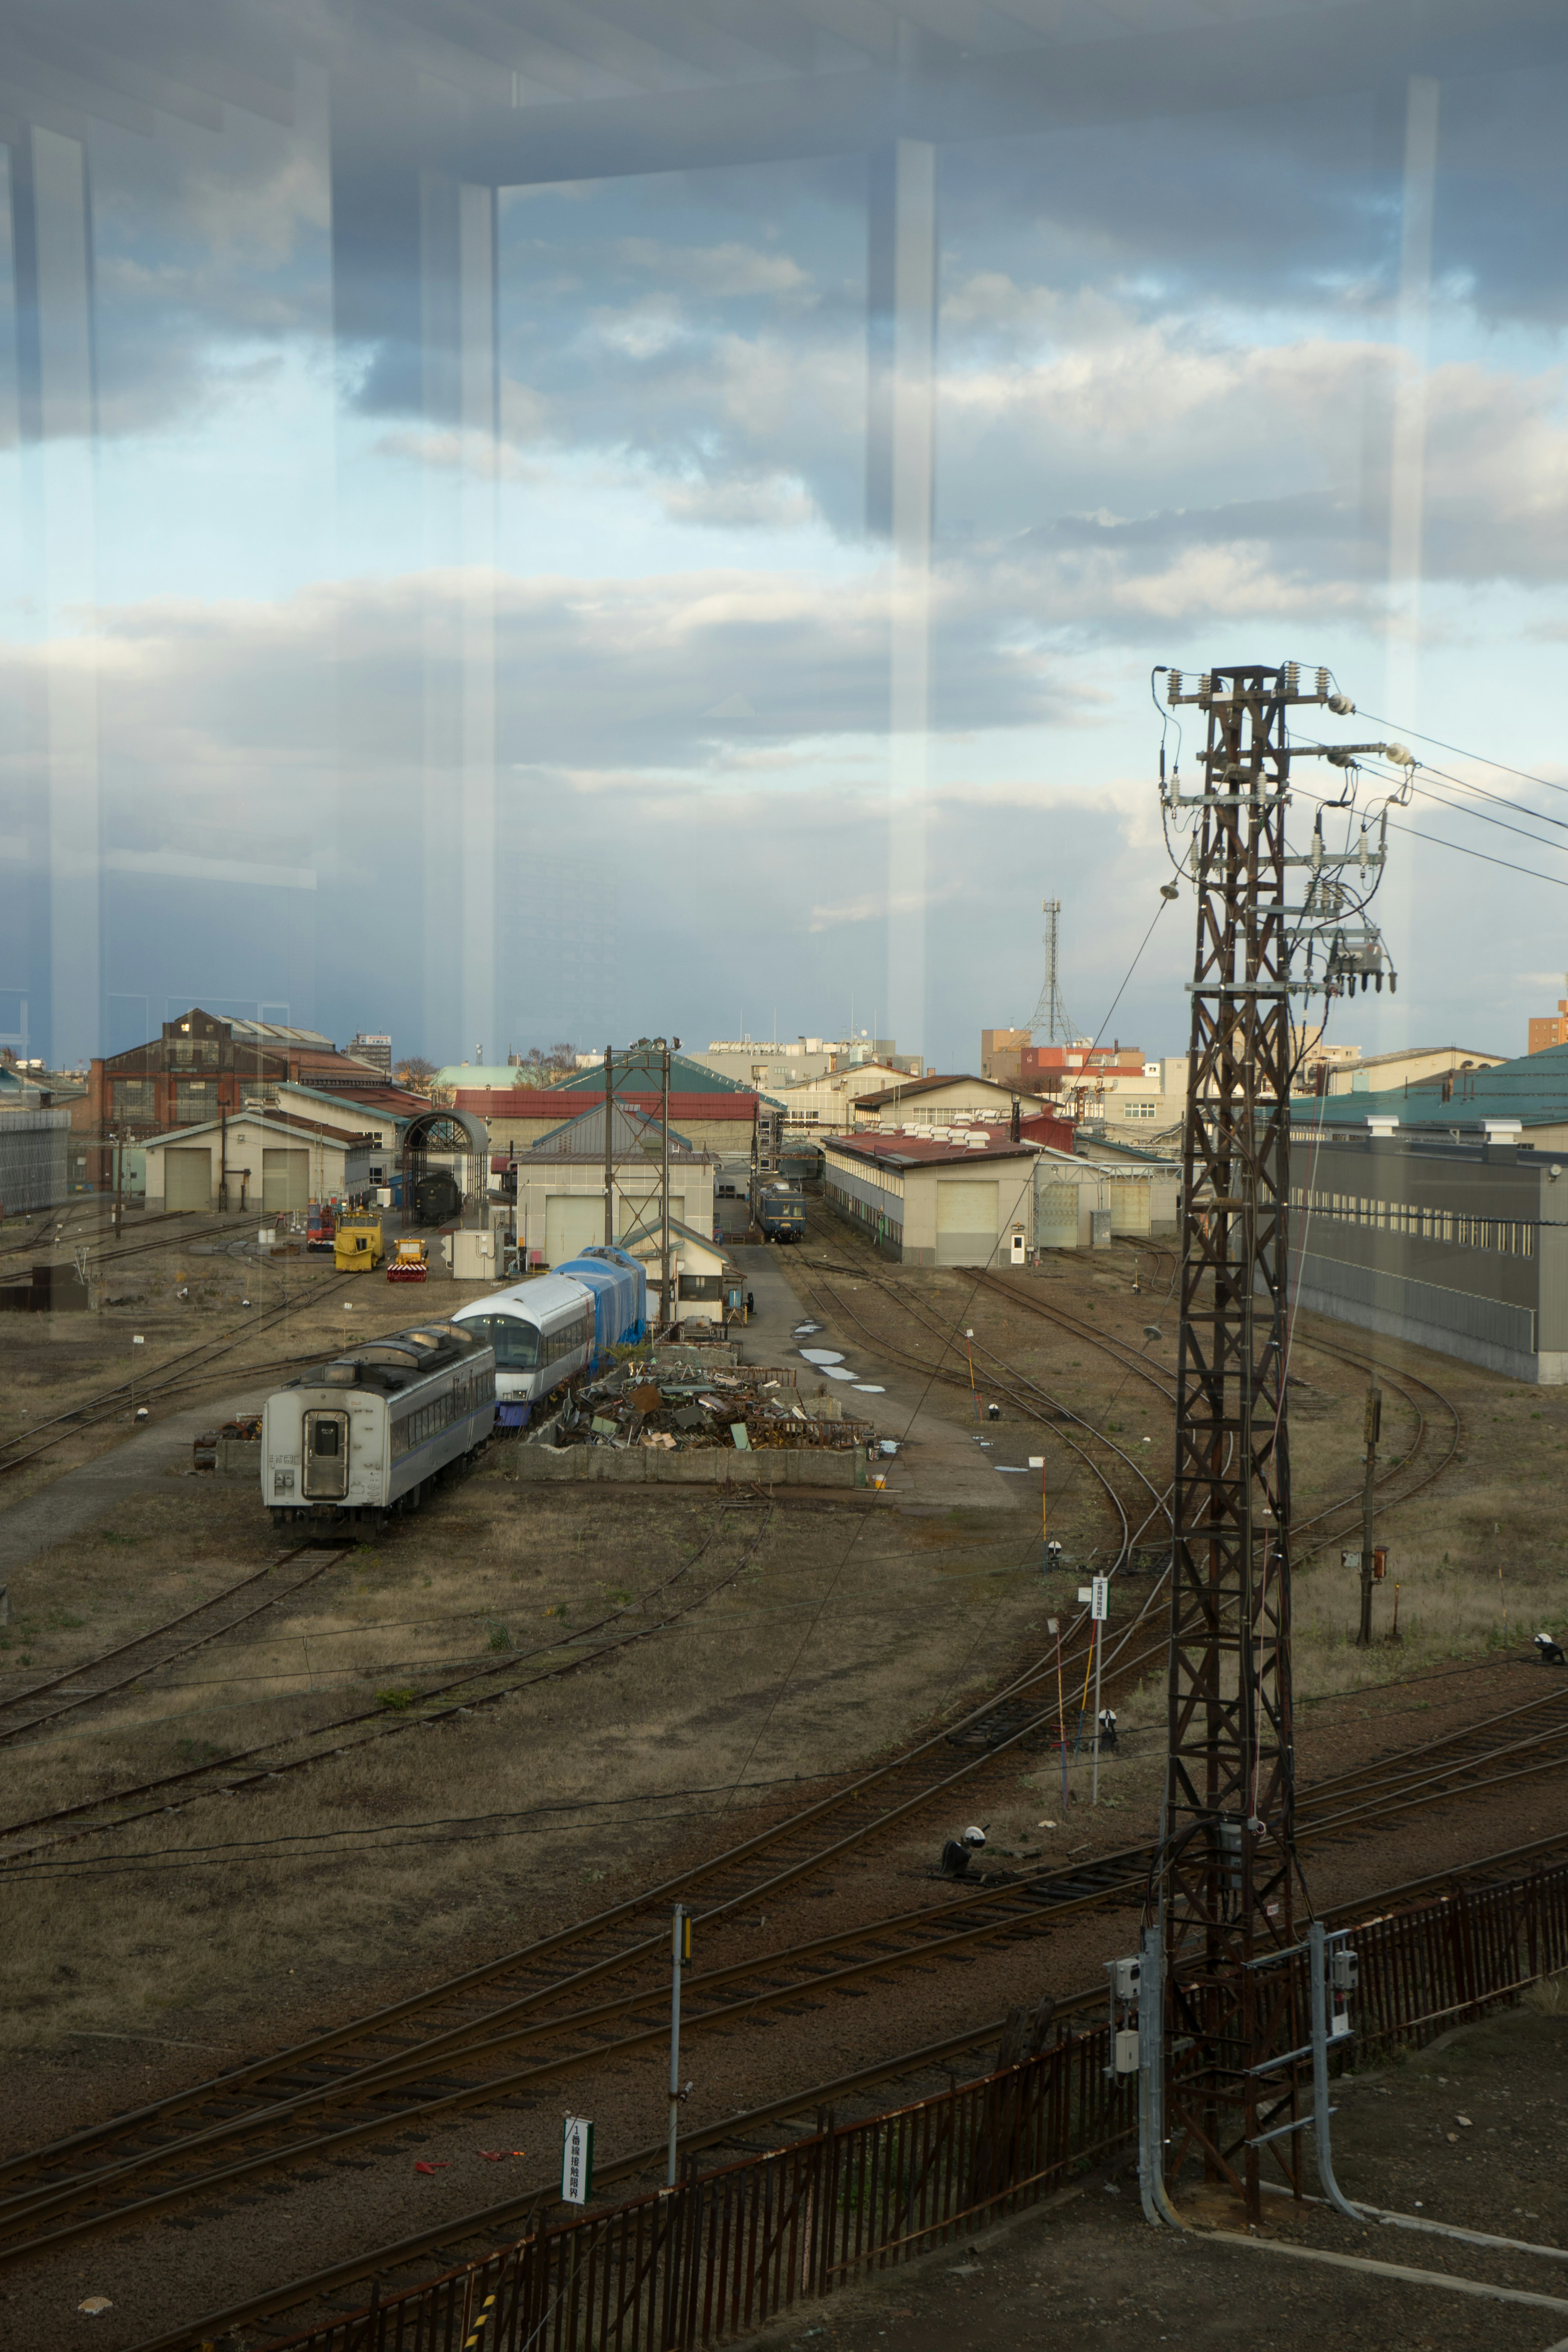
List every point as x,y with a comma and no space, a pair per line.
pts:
1460,751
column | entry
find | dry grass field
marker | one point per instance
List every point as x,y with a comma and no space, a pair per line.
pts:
809,1638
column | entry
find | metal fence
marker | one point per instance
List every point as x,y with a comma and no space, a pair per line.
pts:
728,2251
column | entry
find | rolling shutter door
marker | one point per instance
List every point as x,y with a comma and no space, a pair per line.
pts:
285,1180
966,1223
1129,1204
187,1179
1056,1217
573,1222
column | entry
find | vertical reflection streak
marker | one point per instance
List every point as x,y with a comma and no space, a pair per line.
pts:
55,249
1407,483
902,293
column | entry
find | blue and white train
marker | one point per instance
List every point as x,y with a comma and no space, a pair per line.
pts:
545,1331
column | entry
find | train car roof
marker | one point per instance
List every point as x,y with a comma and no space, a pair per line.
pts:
396,1360
547,1294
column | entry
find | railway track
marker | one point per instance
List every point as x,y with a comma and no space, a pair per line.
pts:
244,1771
181,1370
911,2073
260,2114
339,2091
1027,1398
1394,1487
27,1712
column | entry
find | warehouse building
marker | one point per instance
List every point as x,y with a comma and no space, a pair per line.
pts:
931,1201
713,1112
1455,1242
561,1184
268,1160
936,1101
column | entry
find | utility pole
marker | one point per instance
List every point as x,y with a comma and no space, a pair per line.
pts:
679,1958
1228,1863
609,1156
119,1183
1373,1427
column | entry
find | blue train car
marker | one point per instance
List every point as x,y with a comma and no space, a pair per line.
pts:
619,1284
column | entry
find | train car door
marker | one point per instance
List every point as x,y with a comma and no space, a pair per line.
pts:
326,1478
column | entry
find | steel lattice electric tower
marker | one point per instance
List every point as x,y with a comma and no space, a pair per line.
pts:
1050,1014
1226,1882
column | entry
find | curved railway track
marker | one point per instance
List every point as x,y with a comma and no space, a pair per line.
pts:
258,2111
1394,1487
183,1369
1027,1398
475,1686
160,1647
338,2091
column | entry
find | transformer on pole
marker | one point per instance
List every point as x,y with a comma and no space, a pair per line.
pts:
1232,2039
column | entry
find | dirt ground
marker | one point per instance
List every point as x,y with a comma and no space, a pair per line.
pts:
1469,2132
806,1640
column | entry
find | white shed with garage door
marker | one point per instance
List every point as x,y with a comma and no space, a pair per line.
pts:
264,1163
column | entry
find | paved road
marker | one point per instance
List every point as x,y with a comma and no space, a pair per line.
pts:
942,1464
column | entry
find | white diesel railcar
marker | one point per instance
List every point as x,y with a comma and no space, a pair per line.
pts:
369,1430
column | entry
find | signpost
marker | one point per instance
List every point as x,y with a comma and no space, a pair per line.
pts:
1098,1611
576,2161
1038,1461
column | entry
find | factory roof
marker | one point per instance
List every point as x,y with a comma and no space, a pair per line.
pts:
546,1102
919,1151
639,1073
632,1132
386,1100
284,1122
1534,1089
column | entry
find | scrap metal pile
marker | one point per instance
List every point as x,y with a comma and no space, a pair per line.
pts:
689,1407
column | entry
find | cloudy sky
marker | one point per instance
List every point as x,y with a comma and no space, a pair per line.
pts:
1188,371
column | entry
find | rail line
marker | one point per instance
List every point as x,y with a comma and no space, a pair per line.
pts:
553,2030
1011,1385
164,1644
371,2058
180,1368
271,1761
1124,1353
910,2069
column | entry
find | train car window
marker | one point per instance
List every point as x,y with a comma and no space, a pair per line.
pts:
324,1437
516,1344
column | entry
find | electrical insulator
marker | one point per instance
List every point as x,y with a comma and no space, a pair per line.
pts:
1204,686
1292,677
1172,685
1322,686
1342,706
1397,754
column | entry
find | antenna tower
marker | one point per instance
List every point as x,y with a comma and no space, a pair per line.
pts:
1050,1015
1232,2037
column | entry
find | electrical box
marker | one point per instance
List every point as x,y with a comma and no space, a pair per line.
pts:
1125,2058
1125,1979
1344,1970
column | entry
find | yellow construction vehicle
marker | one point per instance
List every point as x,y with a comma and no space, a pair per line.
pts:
357,1245
410,1262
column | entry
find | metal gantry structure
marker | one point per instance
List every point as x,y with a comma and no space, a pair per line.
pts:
1049,1019
1232,2038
